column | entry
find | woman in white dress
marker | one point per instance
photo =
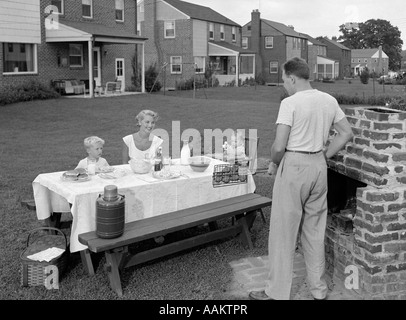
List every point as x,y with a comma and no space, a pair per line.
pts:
142,144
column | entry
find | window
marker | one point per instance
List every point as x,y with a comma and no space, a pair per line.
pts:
273,67
211,31
200,63
353,60
76,55
268,42
244,43
221,32
87,11
359,60
59,4
169,29
19,57
176,65
249,28
234,38
142,6
138,28
119,10
365,60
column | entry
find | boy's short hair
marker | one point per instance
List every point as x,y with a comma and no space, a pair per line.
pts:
298,67
144,113
90,141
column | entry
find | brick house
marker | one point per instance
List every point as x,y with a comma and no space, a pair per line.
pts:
373,59
68,39
320,66
186,40
403,62
273,43
338,52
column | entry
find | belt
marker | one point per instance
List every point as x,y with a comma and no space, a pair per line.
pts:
304,152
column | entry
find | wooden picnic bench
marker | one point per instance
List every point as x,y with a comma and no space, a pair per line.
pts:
242,209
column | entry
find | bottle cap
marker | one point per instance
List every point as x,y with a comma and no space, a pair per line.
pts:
110,193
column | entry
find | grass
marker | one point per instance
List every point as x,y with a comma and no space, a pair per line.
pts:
46,136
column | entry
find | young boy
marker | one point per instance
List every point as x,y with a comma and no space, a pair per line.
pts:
93,162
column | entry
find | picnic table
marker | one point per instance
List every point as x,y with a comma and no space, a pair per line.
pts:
145,196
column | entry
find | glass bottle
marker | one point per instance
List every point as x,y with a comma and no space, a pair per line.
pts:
158,160
185,153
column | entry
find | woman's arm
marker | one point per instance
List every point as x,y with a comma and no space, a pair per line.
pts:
125,156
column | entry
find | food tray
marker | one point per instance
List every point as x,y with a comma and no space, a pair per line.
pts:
229,174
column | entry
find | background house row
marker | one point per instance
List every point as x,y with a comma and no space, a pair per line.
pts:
115,40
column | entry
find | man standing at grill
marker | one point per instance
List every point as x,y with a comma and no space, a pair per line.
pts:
298,157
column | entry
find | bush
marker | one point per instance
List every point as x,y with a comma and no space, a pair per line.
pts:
364,76
397,103
152,84
32,90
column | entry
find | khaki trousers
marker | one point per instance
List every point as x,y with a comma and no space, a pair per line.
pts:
300,192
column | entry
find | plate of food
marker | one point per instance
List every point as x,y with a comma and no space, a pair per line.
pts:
77,175
166,175
106,169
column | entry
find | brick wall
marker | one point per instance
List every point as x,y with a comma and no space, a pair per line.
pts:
377,247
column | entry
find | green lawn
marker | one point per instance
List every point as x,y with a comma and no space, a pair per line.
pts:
47,136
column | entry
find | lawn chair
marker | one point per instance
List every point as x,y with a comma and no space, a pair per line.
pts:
110,88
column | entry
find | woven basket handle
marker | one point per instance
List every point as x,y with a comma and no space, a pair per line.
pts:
47,228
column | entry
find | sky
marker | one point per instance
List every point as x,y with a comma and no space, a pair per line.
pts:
313,17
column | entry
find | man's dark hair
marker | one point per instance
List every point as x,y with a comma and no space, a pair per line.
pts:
298,67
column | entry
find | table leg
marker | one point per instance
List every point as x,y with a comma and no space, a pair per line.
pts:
54,221
86,257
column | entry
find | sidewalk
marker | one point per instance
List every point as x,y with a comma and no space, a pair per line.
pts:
250,274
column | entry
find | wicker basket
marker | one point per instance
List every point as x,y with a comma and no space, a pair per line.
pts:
33,272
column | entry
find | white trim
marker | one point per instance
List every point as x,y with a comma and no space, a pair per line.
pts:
115,5
166,29
230,52
91,10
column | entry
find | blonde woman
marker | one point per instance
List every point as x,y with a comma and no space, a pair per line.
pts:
142,144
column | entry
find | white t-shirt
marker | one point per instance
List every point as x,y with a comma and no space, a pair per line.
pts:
310,114
135,153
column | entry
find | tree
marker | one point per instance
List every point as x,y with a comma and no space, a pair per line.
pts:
372,34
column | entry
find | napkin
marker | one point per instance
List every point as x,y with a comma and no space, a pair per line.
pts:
46,255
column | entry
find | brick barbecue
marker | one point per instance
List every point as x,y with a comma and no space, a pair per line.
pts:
366,232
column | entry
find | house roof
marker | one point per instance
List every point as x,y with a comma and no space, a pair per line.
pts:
313,40
96,29
200,12
341,46
231,47
366,53
288,31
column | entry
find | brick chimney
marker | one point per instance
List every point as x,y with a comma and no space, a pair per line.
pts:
152,47
256,39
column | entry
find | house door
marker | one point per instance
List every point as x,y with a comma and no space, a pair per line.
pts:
120,72
96,66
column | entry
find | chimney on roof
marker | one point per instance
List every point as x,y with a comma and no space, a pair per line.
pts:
292,27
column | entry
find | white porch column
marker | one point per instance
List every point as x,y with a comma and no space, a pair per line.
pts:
237,69
90,53
143,68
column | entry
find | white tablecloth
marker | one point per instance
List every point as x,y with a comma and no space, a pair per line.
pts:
144,196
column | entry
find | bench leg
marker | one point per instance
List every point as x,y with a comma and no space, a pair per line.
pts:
113,263
245,234
87,262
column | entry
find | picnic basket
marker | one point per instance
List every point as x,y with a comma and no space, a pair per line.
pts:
33,272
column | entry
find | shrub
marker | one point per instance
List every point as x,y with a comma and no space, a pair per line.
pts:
259,78
364,76
152,83
397,103
32,90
